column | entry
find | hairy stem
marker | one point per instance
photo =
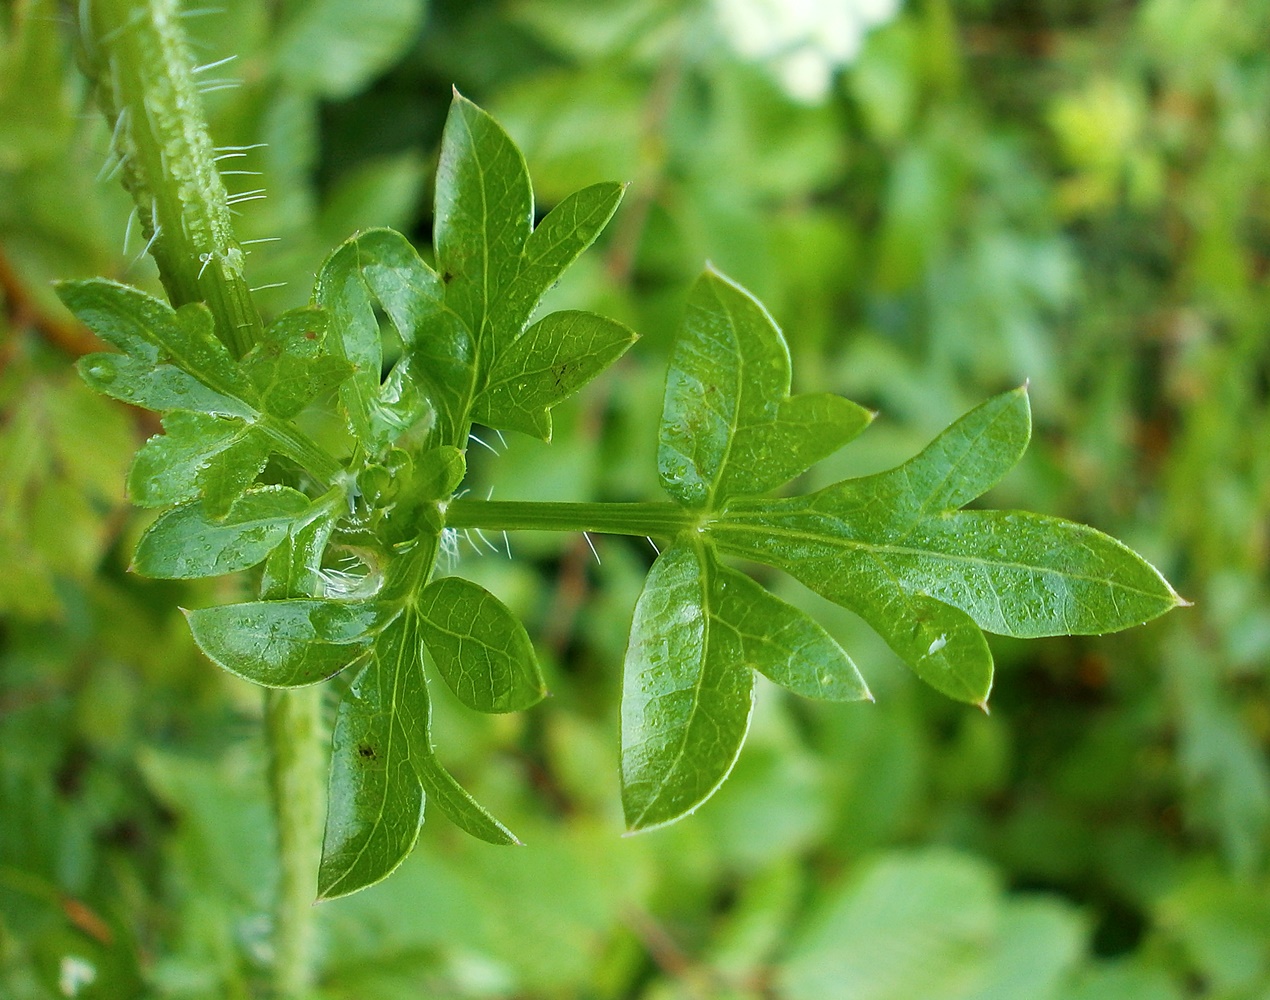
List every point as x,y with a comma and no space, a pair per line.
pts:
294,730
140,61
656,520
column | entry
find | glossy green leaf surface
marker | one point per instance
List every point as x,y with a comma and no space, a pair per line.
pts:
380,269
687,694
782,643
484,213
458,805
555,243
495,267
198,454
170,360
290,366
552,359
152,332
189,542
729,425
173,361
479,647
375,805
892,548
285,643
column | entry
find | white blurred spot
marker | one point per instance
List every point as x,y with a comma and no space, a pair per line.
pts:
801,43
74,974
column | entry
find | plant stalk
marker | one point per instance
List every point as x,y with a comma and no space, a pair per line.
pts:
656,520
137,54
293,729
140,61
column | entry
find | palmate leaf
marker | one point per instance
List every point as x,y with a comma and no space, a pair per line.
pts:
927,577
893,547
496,266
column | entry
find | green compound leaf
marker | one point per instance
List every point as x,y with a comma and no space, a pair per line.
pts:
290,367
729,426
479,647
381,765
928,578
167,350
782,643
686,692
434,377
458,805
188,542
375,804
552,359
172,361
495,265
198,455
287,643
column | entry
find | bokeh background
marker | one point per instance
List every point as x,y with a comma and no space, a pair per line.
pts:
937,199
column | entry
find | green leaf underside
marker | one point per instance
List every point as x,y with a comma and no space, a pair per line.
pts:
458,805
553,359
782,643
188,542
198,455
686,694
927,577
479,647
729,426
286,643
375,805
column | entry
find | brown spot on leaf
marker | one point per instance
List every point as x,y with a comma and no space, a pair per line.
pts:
367,751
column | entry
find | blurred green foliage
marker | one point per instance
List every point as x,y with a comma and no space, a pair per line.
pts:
1074,192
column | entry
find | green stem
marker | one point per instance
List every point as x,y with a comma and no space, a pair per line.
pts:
293,726
141,63
656,520
137,54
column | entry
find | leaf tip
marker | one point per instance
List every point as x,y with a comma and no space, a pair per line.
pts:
983,706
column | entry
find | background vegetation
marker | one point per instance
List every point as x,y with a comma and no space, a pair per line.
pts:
1073,191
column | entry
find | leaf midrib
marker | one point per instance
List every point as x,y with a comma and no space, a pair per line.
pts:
874,549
